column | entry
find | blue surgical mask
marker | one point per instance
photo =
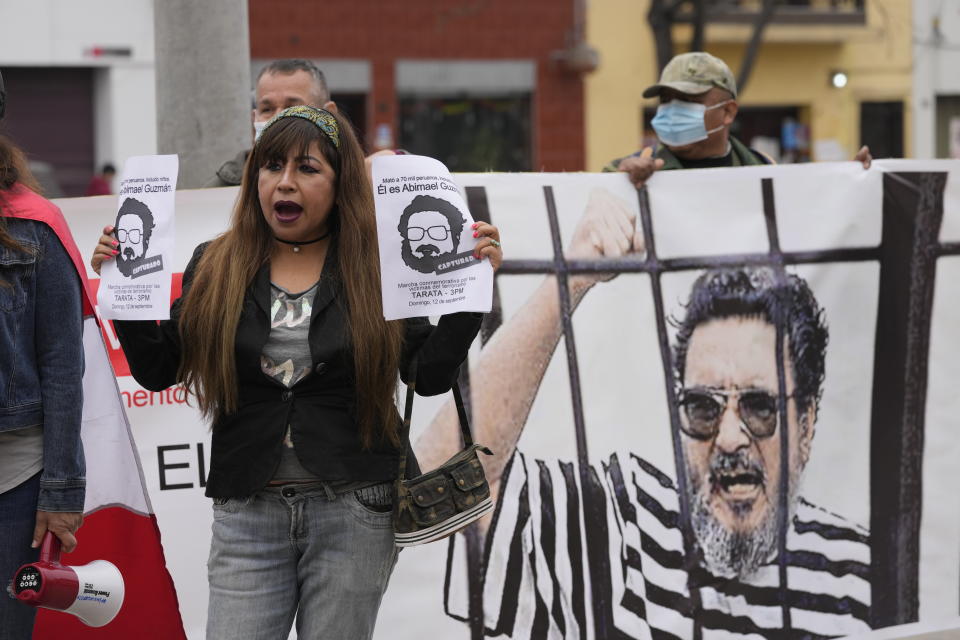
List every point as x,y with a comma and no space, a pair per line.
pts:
680,123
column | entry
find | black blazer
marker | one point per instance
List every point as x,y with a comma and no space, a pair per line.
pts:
320,409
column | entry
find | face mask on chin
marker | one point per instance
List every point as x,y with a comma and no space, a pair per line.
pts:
679,123
258,128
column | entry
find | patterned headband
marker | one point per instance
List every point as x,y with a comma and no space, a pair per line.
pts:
320,117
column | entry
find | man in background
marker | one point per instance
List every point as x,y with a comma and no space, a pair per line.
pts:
102,183
698,105
280,84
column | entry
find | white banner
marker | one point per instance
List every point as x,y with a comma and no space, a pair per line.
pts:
589,536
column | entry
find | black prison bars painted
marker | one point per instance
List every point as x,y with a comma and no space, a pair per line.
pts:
907,254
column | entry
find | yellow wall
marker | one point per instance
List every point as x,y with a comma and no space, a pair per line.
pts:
792,69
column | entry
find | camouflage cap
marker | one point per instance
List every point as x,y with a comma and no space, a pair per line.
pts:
694,73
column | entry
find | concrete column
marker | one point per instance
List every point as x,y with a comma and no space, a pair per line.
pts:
203,84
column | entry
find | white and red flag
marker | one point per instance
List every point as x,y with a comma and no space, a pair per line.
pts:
119,523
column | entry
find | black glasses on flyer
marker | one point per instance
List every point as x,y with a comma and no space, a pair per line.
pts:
704,407
133,235
438,233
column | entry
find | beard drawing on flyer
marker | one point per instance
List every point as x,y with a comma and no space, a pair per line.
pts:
426,241
136,284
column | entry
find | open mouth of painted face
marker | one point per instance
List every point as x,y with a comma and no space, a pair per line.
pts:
737,484
287,211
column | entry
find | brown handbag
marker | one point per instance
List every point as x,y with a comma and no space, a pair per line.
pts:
440,502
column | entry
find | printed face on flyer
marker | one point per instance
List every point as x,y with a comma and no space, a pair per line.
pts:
136,284
430,230
134,227
425,239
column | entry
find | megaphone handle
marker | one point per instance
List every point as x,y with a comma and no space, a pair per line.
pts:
50,548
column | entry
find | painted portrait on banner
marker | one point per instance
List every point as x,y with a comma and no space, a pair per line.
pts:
629,546
659,470
662,468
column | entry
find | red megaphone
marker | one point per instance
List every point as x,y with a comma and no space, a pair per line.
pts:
93,592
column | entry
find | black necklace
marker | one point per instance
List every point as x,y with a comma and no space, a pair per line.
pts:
299,243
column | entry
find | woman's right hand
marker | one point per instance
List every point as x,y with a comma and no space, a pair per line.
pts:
105,249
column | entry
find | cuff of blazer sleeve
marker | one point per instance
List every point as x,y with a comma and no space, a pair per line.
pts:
126,328
448,348
464,320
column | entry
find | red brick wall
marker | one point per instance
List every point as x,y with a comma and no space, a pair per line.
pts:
382,31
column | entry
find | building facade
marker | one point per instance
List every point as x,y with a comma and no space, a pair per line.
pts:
501,85
479,85
80,84
936,88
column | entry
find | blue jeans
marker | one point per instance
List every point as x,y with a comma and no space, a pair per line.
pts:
18,515
298,550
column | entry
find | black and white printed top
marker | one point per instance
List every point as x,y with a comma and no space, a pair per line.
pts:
286,359
286,354
608,562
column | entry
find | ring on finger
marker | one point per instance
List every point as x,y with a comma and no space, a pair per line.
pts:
495,243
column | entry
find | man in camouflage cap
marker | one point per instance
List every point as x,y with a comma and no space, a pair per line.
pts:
694,74
698,104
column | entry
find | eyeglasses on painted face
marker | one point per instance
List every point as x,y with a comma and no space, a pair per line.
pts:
704,408
133,235
438,233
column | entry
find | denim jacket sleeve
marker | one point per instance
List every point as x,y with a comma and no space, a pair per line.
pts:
59,348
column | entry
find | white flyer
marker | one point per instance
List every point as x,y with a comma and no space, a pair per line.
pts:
135,285
426,241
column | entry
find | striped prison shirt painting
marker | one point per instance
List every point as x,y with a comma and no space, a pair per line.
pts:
606,561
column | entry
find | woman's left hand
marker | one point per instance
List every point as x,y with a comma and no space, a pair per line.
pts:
488,244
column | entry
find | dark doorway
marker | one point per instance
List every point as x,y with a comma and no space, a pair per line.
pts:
881,128
779,124
469,133
50,117
948,126
354,106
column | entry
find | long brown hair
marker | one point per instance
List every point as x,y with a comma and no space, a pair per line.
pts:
211,308
13,170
